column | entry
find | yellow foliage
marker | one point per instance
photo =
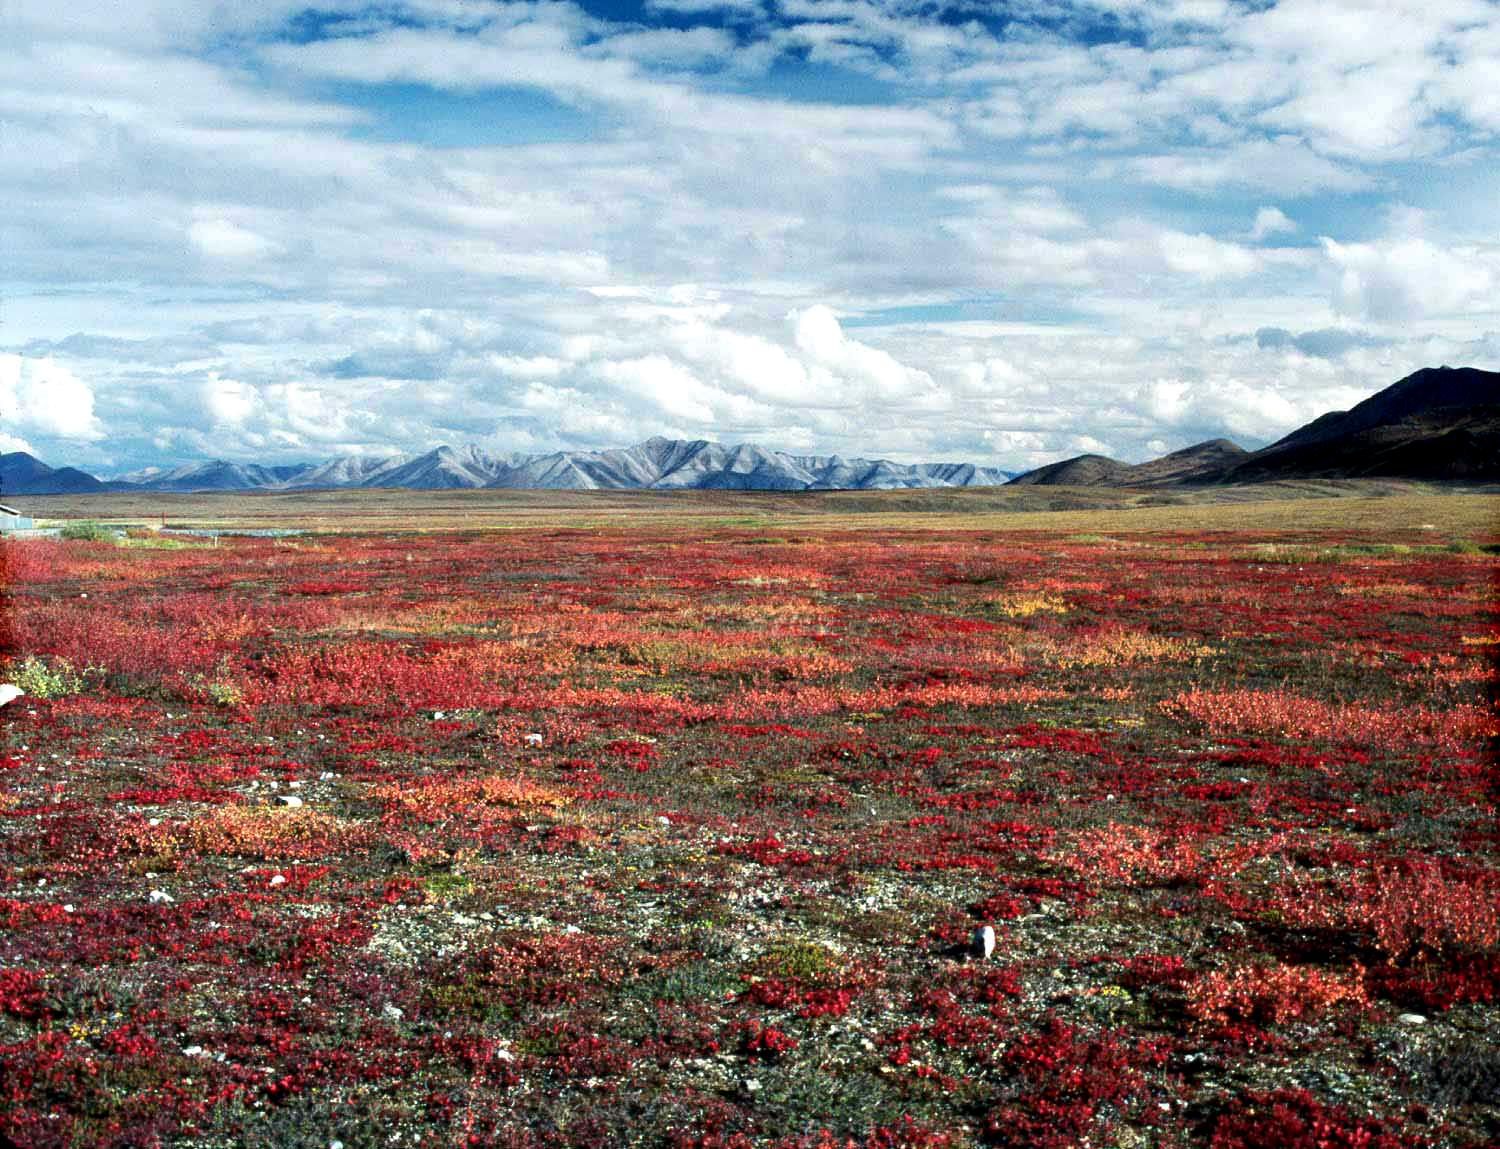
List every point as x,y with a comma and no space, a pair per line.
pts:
1024,604
248,831
510,790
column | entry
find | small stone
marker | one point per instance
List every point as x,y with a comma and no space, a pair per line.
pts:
193,1051
289,800
438,715
1412,1019
982,942
534,739
278,879
392,1012
9,693
68,909
161,897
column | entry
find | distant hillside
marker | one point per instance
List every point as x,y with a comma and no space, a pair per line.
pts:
1438,423
1188,464
656,464
23,474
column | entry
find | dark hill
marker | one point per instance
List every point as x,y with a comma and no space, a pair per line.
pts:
1185,465
1079,471
1437,423
23,474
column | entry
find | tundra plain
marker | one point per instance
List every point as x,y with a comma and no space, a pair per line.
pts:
499,818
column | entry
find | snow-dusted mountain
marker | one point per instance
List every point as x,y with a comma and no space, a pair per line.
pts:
658,463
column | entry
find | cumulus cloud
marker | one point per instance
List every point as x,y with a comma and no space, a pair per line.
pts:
1237,406
529,223
1412,278
228,401
222,239
1205,257
41,397
1271,221
1325,343
875,374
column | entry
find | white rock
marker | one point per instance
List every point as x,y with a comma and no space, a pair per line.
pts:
392,1012
161,897
534,739
289,800
193,1051
1412,1019
278,879
9,693
68,909
982,943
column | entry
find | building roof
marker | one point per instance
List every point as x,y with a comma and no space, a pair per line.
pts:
4,510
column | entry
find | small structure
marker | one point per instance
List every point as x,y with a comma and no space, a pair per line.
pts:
13,520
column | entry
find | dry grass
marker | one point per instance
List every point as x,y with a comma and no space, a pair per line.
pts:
1425,511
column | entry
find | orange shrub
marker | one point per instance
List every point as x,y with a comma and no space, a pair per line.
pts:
1292,716
1130,854
454,793
1406,911
1272,993
247,831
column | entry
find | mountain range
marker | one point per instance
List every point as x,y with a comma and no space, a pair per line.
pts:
658,463
1437,423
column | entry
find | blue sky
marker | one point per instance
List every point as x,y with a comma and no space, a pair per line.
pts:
911,228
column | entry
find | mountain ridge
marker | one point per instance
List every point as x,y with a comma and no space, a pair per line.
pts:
657,463
1437,423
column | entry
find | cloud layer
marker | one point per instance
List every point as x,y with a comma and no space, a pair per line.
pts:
836,225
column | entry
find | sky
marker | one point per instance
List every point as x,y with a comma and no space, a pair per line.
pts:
914,229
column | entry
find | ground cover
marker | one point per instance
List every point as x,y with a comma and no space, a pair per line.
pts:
653,836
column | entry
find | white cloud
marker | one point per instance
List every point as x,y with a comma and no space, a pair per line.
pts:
875,373
222,239
1271,221
43,398
1283,165
1204,257
236,265
1412,278
228,401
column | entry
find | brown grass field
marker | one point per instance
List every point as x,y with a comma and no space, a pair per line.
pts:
1427,510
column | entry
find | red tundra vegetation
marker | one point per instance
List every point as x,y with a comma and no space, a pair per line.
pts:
564,837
